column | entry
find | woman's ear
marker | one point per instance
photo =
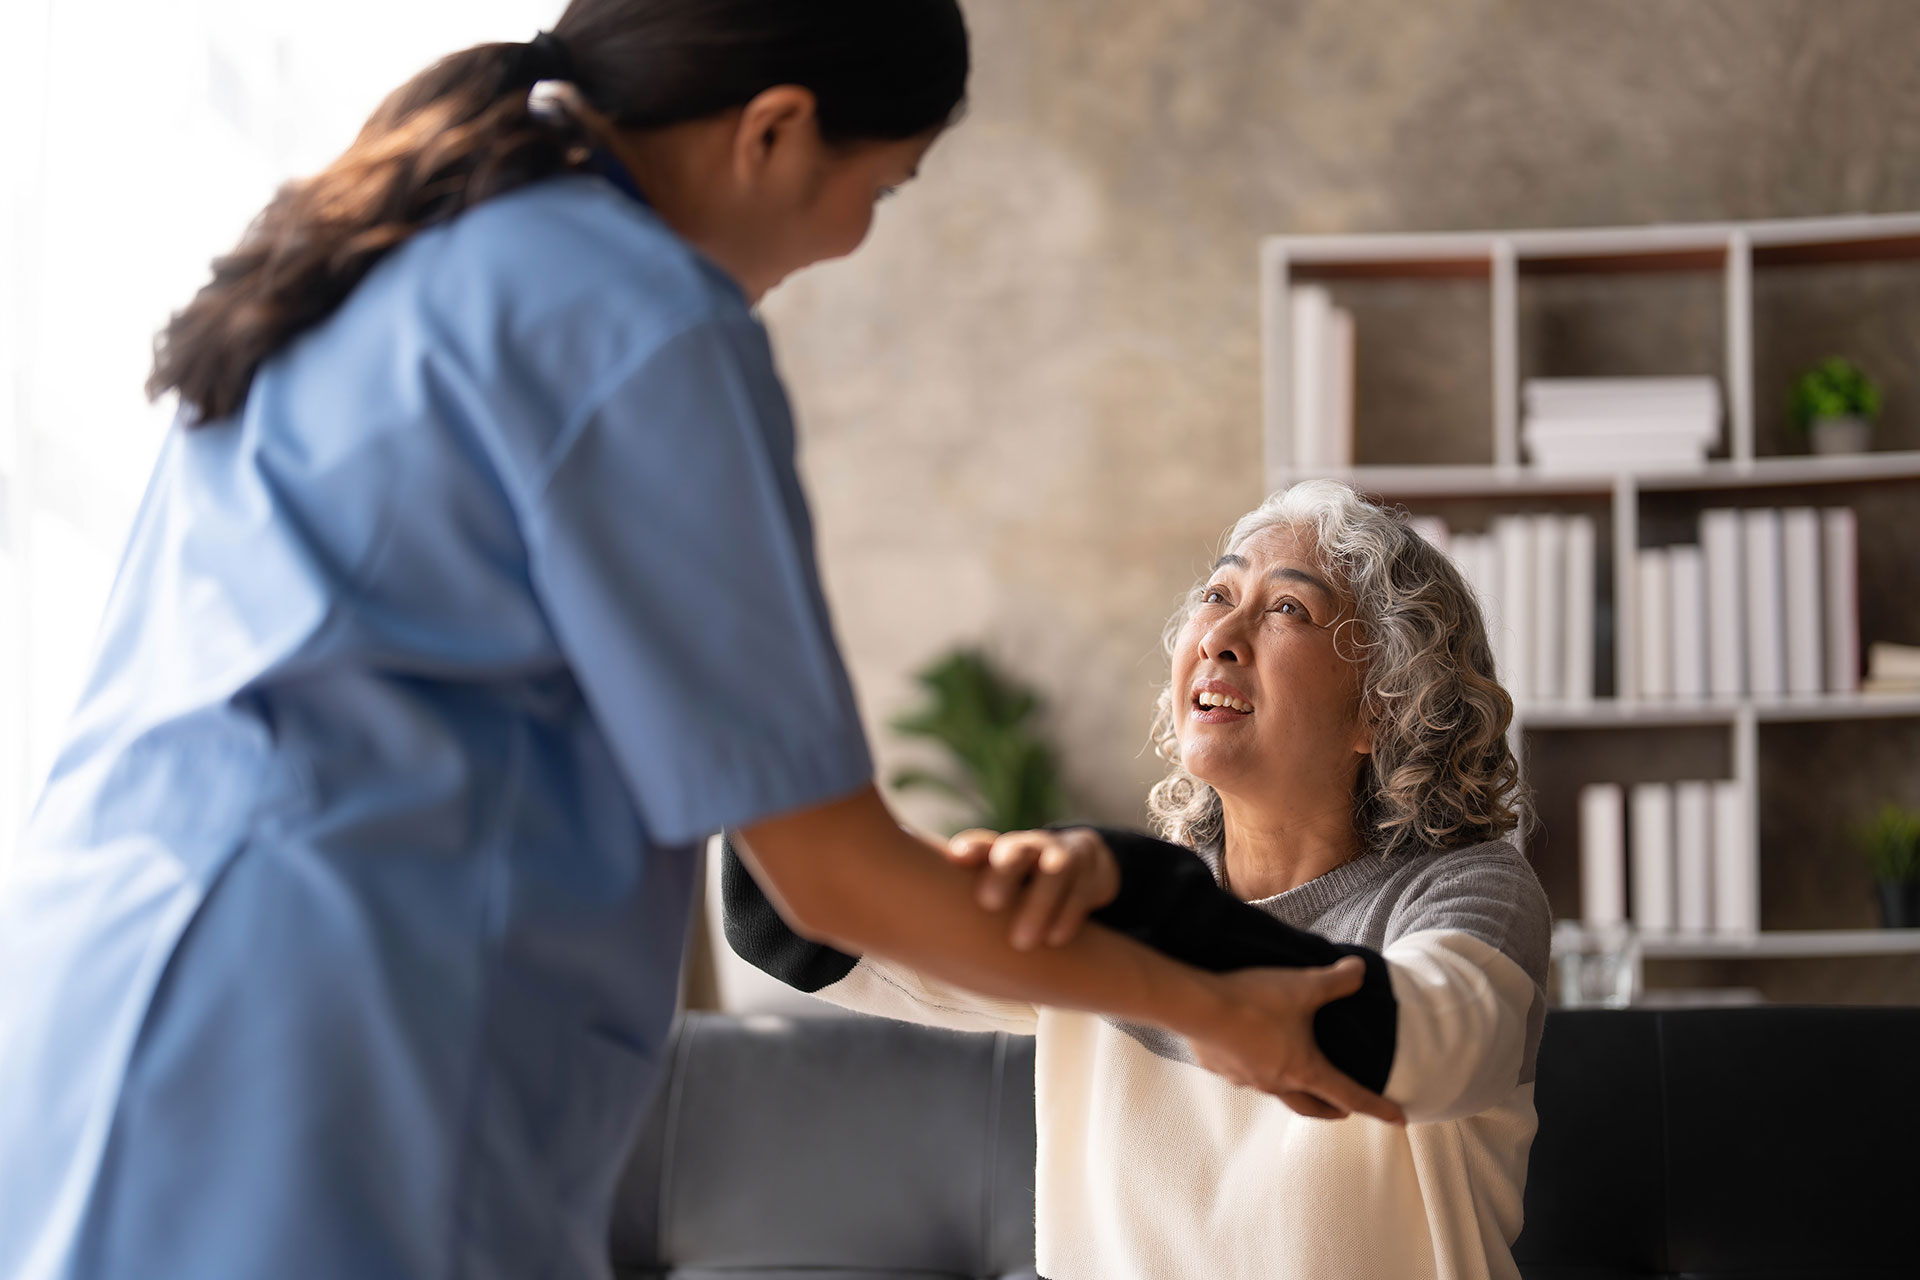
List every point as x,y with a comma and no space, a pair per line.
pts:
779,130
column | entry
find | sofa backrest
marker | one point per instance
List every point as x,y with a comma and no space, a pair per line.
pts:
832,1148
1720,1144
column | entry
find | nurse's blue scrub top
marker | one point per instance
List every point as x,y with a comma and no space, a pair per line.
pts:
345,936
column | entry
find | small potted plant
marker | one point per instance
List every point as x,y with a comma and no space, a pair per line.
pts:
1892,843
1836,404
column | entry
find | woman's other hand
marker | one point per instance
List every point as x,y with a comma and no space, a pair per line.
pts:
1052,880
1265,1040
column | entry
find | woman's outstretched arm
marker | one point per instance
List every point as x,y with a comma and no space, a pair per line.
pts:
845,873
1445,1021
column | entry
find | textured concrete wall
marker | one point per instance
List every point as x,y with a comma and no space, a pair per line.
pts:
1030,404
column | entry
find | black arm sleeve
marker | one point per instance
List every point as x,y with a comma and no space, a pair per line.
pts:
759,936
1168,900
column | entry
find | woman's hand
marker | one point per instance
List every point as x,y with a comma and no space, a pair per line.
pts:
1053,879
1263,1038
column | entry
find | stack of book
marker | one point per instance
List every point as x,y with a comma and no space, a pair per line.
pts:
1669,857
1766,605
1583,425
1893,668
1535,577
1322,380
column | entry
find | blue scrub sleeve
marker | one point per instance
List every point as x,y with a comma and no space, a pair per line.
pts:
672,550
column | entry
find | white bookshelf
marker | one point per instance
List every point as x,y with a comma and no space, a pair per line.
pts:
1503,259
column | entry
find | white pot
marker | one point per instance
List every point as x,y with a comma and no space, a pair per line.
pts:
1840,435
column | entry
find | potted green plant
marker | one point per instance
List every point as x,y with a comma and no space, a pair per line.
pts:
1892,844
1006,777
1836,405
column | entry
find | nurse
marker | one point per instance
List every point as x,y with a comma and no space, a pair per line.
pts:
472,589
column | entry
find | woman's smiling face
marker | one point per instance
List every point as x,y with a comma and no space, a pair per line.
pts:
1264,703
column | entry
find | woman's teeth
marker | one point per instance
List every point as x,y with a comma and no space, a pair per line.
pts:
1222,700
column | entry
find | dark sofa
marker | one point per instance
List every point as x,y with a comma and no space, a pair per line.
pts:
1781,1143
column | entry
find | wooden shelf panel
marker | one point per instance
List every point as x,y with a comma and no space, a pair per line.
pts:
1769,944
1611,713
1463,481
1644,261
1895,248
1465,268
1764,473
1601,250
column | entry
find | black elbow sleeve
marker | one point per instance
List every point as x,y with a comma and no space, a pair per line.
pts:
758,934
1168,900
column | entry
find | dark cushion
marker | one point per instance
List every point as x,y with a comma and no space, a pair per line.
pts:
1727,1144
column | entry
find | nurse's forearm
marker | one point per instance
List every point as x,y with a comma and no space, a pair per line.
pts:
846,874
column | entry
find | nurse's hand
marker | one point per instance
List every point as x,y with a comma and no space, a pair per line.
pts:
1053,880
1263,1038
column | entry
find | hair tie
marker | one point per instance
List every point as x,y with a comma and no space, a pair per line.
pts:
545,57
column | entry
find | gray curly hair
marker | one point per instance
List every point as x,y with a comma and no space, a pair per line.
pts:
1441,774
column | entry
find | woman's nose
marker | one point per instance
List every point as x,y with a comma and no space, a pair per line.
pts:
1215,645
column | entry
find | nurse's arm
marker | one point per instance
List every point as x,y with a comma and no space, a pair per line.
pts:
845,873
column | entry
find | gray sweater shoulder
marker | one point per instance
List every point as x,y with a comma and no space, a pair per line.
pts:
1488,891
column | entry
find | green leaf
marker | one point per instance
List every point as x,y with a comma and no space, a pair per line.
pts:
923,780
981,718
1892,844
1834,388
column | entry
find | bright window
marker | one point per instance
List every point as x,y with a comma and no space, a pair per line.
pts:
140,137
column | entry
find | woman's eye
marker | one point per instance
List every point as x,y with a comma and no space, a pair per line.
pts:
1213,596
1292,608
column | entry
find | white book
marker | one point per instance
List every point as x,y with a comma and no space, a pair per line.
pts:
1636,430
1464,550
1840,576
1656,628
1603,855
1310,305
1549,607
1610,455
1693,855
1726,610
1336,432
1650,830
1434,530
1492,594
1893,663
1766,616
1478,559
1736,866
1804,621
1577,683
1573,396
1513,535
1687,612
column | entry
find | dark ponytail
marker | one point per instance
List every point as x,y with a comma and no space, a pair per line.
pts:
462,131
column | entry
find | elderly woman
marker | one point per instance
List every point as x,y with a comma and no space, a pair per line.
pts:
1340,783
